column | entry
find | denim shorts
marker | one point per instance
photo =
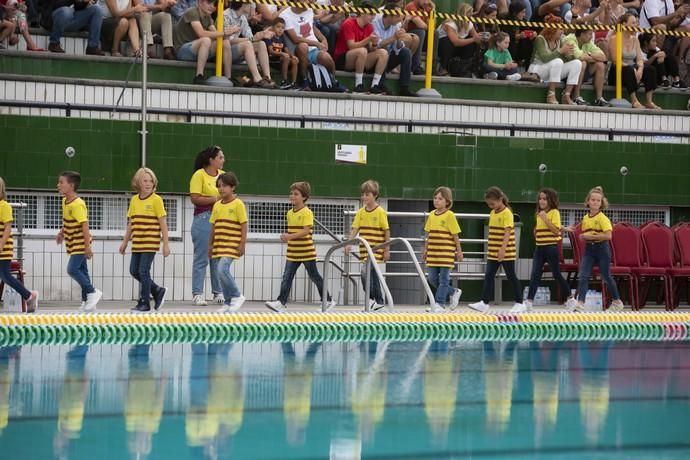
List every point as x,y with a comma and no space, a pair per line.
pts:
186,53
313,55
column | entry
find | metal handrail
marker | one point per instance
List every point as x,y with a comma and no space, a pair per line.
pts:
20,229
377,270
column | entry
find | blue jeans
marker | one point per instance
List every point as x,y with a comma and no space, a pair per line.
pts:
600,254
490,273
227,282
79,272
417,56
140,269
289,274
548,253
375,291
439,278
201,233
7,278
66,19
404,60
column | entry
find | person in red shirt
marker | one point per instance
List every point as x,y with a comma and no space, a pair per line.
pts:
357,49
418,25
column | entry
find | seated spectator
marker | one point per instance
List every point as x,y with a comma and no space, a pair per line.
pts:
310,46
157,19
593,65
611,11
662,14
521,39
247,46
634,70
501,5
179,8
75,16
582,12
119,18
329,22
194,37
418,26
264,15
457,39
357,49
13,20
498,63
279,53
544,8
554,62
388,27
666,66
485,31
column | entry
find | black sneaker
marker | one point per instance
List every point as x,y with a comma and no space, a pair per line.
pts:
665,83
419,70
379,89
285,84
199,80
405,91
159,298
305,85
601,102
680,84
141,307
359,89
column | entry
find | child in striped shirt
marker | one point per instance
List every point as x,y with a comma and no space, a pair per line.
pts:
301,249
441,249
146,226
228,238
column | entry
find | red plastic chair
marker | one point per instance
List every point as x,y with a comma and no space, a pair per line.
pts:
681,269
626,246
15,269
657,241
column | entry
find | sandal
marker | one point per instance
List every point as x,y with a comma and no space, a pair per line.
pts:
652,106
565,99
115,53
551,98
637,105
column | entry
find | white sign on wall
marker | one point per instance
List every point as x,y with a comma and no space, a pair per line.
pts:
348,153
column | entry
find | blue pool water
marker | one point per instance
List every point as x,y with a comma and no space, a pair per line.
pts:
386,400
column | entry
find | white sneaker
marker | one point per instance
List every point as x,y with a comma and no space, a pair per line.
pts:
219,299
32,302
616,305
376,307
570,304
513,77
480,306
519,308
199,301
528,304
436,308
330,304
276,306
237,301
455,299
92,300
579,306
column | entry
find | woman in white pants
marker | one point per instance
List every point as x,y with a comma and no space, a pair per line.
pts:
554,62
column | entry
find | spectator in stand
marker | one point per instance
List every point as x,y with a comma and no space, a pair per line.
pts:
177,11
593,65
247,46
195,37
74,16
582,13
157,19
498,63
662,14
612,10
666,66
357,49
457,39
310,46
553,62
549,7
279,54
634,70
329,22
265,15
418,26
388,27
119,19
13,20
485,31
521,39
501,5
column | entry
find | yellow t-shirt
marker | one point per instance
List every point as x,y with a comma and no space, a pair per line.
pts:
372,227
440,251
204,185
6,252
227,219
498,223
301,249
596,224
74,214
144,216
144,403
542,235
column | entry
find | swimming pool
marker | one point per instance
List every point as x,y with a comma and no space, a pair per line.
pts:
458,399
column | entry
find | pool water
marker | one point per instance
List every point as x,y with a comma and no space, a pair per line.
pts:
387,400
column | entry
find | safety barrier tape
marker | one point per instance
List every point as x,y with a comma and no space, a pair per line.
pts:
473,19
76,329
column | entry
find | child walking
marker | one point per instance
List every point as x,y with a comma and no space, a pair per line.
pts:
442,249
596,233
501,248
146,226
371,223
547,234
77,237
301,249
7,253
228,238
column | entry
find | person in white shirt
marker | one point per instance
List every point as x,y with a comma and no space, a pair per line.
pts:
392,38
120,18
662,14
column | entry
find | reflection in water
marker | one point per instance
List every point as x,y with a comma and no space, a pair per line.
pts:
368,397
594,388
297,382
72,400
441,377
545,385
499,365
7,356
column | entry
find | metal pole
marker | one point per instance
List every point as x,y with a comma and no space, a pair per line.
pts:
618,101
219,40
427,91
144,101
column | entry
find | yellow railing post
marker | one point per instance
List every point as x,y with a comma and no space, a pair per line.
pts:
219,40
427,91
619,62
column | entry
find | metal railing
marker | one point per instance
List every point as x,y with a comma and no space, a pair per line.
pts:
19,224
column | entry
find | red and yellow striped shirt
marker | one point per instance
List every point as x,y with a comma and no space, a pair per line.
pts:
74,214
543,236
7,250
372,227
498,223
144,216
227,219
301,249
441,247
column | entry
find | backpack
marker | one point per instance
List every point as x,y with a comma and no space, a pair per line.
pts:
458,67
321,80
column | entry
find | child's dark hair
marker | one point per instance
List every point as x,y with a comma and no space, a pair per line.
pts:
304,188
495,193
645,38
228,178
277,21
551,198
236,5
73,178
497,38
515,7
367,4
204,157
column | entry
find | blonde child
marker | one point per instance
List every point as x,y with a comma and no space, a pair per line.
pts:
442,249
501,248
146,226
7,253
371,223
596,233
547,235
228,238
77,237
301,249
